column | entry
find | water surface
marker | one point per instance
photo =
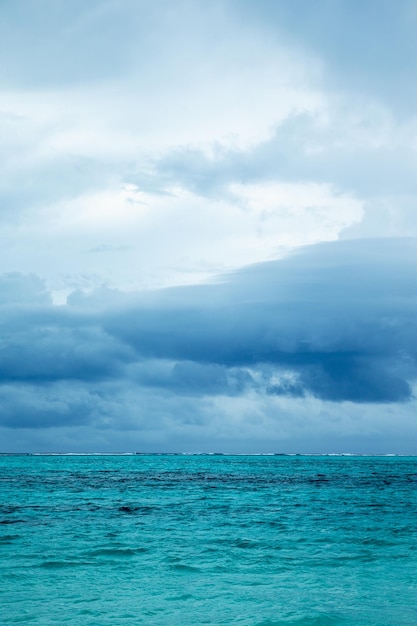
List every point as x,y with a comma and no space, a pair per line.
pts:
187,540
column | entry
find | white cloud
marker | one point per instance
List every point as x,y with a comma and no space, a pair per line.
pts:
299,214
82,155
197,78
142,239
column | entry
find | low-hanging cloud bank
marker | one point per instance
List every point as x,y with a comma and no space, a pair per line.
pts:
335,322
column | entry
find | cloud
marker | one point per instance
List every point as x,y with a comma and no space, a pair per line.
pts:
335,322
357,146
146,146
59,43
392,216
339,317
259,104
355,149
83,133
63,405
359,64
16,288
43,345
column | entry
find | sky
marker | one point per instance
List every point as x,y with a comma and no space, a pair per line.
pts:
208,226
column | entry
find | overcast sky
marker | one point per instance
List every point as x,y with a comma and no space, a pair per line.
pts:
208,233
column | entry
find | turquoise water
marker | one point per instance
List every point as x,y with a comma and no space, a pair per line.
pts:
181,540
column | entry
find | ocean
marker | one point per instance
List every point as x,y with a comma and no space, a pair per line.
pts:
208,539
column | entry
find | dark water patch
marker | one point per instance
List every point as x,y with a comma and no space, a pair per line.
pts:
9,509
138,510
319,480
128,509
6,538
12,521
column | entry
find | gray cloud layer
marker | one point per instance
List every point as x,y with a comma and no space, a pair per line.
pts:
335,321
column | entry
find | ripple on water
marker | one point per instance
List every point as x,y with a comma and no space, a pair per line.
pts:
6,539
116,552
63,564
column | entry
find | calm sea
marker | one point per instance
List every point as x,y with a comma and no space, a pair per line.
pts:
181,540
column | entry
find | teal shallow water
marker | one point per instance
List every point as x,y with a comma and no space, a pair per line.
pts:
187,540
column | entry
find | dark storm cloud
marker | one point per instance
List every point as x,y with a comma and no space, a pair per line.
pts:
42,343
192,378
336,321
25,405
49,352
341,317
